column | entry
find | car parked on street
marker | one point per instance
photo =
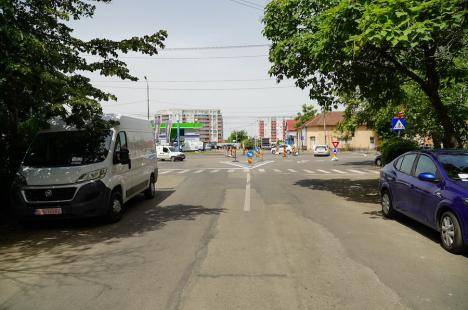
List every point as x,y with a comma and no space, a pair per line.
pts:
169,153
321,150
378,160
432,188
279,149
72,173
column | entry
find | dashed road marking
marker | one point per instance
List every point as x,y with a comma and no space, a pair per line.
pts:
323,171
261,170
308,171
214,171
183,171
277,170
199,171
247,193
356,171
338,171
292,170
231,170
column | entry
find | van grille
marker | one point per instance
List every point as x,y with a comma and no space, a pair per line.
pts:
50,194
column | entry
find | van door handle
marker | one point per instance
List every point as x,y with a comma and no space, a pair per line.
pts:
438,194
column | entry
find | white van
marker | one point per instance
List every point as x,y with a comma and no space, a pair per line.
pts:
169,153
70,173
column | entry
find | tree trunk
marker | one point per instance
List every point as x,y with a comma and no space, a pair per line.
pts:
450,138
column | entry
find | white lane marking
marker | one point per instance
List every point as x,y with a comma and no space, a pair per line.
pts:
214,171
231,170
183,171
261,170
292,170
164,172
277,170
374,171
356,171
338,171
323,171
199,171
308,171
247,194
239,165
261,164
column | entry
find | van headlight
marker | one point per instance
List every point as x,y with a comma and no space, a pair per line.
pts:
20,179
93,175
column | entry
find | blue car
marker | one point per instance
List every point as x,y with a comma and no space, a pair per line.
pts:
432,188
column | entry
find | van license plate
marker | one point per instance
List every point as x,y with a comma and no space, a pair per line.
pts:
48,211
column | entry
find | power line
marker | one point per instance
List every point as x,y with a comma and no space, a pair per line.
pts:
184,81
201,89
248,4
187,58
220,47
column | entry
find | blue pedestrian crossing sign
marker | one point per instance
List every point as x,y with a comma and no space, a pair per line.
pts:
398,124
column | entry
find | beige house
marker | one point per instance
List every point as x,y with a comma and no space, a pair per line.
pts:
322,129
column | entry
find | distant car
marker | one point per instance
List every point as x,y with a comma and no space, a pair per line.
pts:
169,153
432,188
280,149
321,150
378,160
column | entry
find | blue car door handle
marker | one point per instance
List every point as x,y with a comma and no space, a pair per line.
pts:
438,194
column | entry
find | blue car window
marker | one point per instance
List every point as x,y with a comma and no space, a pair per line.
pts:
455,165
425,164
407,163
398,162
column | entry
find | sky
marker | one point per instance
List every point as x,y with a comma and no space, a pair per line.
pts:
236,81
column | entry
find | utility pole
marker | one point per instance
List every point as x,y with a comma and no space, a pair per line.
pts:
178,134
147,95
324,126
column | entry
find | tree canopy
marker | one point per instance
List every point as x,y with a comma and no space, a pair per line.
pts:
308,112
42,65
238,136
372,51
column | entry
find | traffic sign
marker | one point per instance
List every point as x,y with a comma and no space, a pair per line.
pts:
335,143
250,154
398,124
335,151
302,138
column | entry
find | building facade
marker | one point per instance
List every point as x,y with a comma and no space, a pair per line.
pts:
322,130
212,120
273,128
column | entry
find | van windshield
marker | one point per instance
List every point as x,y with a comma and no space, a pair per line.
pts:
68,148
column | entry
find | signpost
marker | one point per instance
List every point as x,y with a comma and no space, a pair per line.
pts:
335,150
399,123
250,155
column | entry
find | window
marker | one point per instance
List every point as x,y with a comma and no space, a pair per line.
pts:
425,164
398,162
165,150
372,140
121,142
407,163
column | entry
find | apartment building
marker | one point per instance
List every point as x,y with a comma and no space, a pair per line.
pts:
273,128
212,120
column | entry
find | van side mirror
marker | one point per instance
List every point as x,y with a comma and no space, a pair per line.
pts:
428,177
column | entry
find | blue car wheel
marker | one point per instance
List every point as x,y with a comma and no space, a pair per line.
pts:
450,233
387,208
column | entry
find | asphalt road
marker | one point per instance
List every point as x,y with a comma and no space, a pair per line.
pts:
295,233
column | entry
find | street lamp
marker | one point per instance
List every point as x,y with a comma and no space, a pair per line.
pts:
147,95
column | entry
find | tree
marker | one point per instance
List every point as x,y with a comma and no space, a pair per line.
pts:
41,67
238,136
307,113
372,50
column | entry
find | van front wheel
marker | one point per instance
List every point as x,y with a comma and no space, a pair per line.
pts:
116,208
150,191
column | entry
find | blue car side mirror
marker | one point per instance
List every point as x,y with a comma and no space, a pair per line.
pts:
428,177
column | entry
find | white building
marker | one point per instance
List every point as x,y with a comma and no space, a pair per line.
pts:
211,119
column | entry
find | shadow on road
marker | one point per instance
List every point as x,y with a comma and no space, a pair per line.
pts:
368,162
142,216
352,190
